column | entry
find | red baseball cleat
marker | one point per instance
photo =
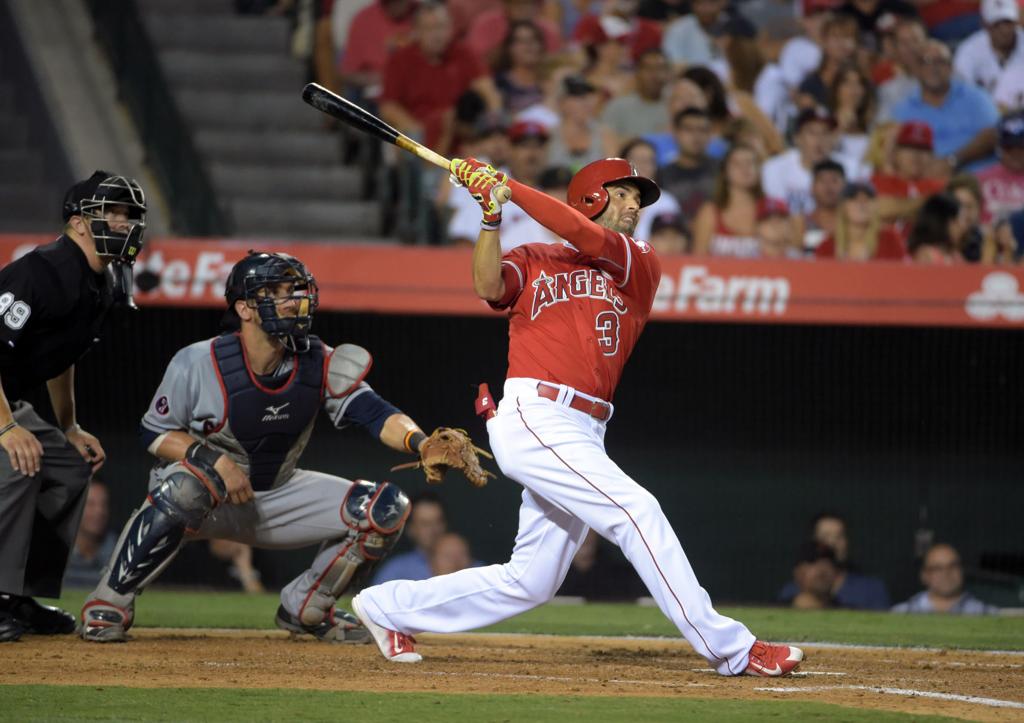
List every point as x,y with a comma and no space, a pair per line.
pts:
395,646
771,661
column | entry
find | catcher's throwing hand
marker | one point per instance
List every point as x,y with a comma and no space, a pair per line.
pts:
447,448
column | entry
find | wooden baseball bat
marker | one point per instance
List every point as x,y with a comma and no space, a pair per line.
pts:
361,119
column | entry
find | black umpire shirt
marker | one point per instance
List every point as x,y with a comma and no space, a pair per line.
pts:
52,308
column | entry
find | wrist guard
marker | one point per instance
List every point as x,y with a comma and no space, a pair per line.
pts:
201,460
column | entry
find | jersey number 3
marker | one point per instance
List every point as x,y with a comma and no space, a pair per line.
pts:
15,313
607,327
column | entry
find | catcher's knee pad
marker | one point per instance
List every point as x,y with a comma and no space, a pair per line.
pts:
154,533
375,513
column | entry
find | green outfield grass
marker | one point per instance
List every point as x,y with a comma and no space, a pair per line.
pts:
56,703
175,609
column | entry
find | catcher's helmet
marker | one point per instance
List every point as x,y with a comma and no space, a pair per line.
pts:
98,195
267,272
587,193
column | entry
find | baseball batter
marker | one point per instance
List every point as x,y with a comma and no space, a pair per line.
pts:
228,424
576,309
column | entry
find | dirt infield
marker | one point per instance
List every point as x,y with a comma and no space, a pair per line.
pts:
970,685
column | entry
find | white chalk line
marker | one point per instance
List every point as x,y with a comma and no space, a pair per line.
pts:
977,700
272,632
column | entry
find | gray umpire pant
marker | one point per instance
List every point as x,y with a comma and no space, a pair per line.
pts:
39,515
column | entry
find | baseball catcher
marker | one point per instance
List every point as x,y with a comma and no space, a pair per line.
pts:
228,425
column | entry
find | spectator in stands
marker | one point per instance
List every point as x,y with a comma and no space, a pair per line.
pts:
828,179
950,20
618,19
942,575
776,22
1002,184
681,93
802,54
427,523
777,231
376,31
600,572
867,13
788,175
489,28
608,64
1008,240
670,234
997,49
814,577
423,80
239,555
95,541
554,181
742,65
519,68
909,38
851,101
690,178
975,245
937,231
850,589
643,111
450,554
839,49
528,157
727,224
860,234
961,115
642,156
717,106
1009,92
688,40
576,139
907,181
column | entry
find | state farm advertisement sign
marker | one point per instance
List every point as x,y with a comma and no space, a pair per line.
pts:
415,280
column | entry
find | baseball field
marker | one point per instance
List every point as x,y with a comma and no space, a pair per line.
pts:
216,656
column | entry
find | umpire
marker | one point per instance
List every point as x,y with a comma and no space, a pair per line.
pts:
53,302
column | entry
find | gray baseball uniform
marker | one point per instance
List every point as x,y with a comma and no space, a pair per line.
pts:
297,508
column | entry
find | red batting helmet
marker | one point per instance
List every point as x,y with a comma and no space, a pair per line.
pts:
587,192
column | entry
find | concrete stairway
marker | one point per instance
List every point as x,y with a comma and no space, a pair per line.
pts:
277,172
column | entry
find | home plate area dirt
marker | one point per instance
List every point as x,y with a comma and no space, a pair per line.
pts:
970,685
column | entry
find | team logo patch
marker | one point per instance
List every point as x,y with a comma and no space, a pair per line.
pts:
645,248
162,407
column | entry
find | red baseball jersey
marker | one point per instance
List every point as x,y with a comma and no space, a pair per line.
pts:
574,319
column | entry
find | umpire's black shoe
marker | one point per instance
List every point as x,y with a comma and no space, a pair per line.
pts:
37,619
10,629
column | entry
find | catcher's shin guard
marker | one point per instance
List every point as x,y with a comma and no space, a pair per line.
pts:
375,513
154,533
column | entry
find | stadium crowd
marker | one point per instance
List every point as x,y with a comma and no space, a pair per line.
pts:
847,129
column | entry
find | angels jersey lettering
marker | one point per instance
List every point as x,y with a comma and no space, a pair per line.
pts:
574,319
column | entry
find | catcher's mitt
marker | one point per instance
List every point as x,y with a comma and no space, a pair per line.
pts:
447,448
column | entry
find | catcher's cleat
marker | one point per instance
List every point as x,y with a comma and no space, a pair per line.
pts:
103,622
36,619
771,661
393,645
338,627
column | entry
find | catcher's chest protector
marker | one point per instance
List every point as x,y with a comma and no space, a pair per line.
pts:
268,422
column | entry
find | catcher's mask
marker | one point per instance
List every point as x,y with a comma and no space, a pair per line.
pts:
268,281
588,193
115,209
